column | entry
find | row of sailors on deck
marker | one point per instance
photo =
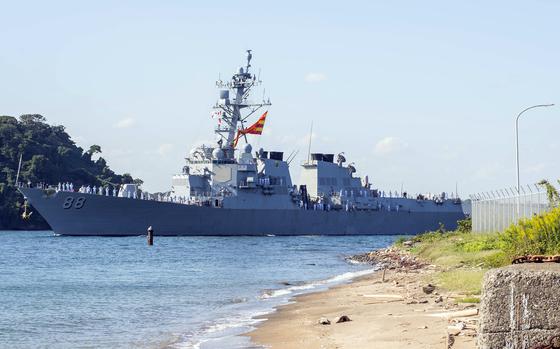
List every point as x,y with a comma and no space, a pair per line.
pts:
65,186
368,193
95,190
99,191
114,191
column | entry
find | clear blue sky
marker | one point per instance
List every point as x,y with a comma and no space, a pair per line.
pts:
420,93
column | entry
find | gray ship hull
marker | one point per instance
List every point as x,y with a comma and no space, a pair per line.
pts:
114,216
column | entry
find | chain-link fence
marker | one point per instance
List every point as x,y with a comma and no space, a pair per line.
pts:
498,209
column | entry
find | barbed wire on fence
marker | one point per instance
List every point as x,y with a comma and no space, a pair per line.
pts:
495,210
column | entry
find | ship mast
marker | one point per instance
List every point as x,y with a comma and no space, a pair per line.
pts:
232,110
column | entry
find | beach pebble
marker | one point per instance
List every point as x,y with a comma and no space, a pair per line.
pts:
453,331
456,328
460,325
439,299
324,321
342,318
429,288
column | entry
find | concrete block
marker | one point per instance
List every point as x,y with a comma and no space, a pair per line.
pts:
520,306
525,339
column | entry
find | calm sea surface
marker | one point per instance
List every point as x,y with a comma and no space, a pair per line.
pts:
183,292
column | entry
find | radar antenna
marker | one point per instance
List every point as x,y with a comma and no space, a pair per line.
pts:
231,106
249,56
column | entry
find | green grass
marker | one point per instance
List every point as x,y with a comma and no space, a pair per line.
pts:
460,249
464,256
464,281
468,300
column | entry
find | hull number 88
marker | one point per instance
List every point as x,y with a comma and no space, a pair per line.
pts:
77,203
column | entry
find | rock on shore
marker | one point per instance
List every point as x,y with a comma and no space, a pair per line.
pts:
390,258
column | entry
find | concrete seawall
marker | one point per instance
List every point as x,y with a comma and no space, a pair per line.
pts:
520,307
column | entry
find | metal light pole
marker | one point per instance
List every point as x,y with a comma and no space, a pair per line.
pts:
518,188
517,138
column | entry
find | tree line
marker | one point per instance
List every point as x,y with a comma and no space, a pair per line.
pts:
50,156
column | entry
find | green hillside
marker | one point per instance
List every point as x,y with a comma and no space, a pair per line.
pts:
49,156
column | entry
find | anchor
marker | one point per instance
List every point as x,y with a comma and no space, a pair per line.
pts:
26,215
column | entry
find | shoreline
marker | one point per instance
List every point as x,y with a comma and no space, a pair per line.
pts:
390,313
235,332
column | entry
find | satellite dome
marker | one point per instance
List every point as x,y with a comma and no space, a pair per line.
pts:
218,154
247,148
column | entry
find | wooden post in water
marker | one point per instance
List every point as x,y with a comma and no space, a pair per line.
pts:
150,236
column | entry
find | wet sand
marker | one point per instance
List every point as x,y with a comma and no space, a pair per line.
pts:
396,313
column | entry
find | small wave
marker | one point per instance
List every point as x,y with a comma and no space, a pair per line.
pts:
353,261
308,286
238,300
292,283
350,275
275,293
221,328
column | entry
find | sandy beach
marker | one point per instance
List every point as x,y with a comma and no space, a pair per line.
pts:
394,313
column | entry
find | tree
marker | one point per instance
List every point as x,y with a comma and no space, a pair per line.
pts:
32,118
551,193
94,149
138,182
127,178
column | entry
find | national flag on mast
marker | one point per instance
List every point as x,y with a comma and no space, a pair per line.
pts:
254,129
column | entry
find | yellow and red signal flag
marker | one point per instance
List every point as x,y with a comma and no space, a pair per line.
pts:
254,129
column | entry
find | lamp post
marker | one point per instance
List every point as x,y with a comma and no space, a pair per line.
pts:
518,188
517,139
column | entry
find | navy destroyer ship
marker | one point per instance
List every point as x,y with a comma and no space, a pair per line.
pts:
227,188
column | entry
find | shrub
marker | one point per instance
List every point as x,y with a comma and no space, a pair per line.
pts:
464,225
537,235
400,240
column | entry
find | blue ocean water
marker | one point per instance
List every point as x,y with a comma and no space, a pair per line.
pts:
183,292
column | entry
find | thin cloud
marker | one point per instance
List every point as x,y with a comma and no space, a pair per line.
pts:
536,168
488,171
125,123
165,148
315,77
389,145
